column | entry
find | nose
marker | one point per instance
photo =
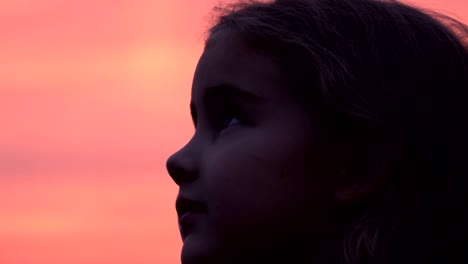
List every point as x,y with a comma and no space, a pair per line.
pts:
182,166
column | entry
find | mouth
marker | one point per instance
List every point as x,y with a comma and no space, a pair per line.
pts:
186,206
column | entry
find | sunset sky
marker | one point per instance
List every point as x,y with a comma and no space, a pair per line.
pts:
94,97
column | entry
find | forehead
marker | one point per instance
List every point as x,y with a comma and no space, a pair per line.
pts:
227,59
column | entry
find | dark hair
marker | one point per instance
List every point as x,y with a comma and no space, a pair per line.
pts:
393,79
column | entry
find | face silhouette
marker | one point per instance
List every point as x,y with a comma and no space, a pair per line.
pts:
255,165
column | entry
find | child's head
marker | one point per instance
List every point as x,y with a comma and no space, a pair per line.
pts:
327,131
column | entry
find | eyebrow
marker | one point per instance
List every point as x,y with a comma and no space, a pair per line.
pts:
225,91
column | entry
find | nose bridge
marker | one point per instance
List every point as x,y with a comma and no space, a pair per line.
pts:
183,164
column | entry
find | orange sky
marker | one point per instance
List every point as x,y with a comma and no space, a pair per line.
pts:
93,98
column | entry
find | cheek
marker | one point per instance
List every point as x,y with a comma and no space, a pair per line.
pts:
241,180
254,188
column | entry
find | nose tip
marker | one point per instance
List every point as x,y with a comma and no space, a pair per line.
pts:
181,168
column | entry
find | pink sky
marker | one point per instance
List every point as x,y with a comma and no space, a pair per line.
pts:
93,98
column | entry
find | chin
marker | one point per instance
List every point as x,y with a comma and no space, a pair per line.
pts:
199,251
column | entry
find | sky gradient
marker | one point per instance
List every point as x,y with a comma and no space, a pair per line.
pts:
94,97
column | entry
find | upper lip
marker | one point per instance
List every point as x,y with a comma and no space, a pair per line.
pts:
186,205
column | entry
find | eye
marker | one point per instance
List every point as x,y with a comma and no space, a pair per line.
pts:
230,121
229,116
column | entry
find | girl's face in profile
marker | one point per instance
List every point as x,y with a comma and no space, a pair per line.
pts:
254,177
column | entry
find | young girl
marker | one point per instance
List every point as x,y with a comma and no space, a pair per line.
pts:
327,131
